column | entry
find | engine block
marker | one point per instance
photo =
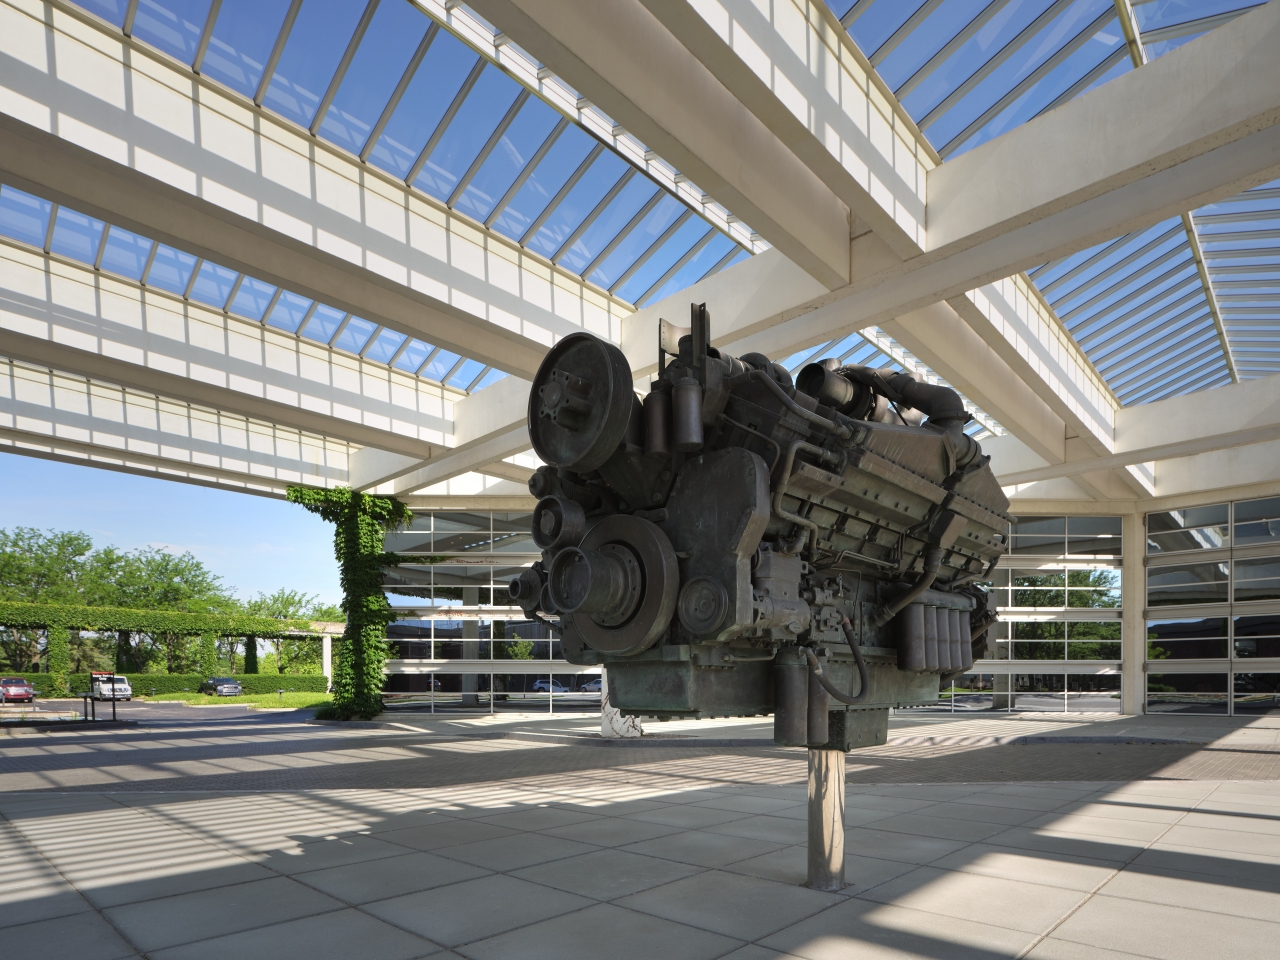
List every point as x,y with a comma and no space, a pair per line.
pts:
739,544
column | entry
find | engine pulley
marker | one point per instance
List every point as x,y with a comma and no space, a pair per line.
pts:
580,404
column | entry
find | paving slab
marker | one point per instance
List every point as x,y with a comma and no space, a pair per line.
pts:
607,874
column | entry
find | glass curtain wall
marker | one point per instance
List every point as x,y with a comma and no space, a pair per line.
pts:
1057,591
1213,609
460,644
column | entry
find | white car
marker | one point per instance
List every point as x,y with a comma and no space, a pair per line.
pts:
553,686
591,686
108,688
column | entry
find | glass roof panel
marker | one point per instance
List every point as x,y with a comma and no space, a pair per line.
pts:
438,367
252,299
657,263
311,55
173,26
213,284
488,380
170,270
355,335
289,311
385,347
512,153
323,324
414,355
126,253
24,217
638,240
380,61
479,116
603,173
565,156
435,83
712,252
76,235
613,226
243,37
469,370
112,11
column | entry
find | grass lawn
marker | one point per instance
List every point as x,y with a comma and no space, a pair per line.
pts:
295,700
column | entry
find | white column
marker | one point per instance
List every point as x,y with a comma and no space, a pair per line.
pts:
1133,630
326,658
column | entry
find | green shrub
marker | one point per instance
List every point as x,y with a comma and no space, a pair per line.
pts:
144,683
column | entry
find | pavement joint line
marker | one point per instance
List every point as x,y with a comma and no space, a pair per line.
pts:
1109,877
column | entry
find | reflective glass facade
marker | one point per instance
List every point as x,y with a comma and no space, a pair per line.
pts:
1213,608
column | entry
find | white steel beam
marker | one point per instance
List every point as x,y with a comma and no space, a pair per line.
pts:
119,130
64,315
622,58
55,415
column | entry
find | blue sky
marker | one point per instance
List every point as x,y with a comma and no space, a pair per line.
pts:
255,544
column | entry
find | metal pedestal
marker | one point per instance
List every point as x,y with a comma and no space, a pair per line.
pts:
826,819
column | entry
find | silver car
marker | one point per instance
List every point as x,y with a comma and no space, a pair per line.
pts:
221,687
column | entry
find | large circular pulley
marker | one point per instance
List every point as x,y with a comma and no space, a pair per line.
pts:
580,403
622,581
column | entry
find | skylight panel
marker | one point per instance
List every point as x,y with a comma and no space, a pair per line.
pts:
323,324
438,367
23,217
126,253
609,228
243,37
508,158
170,270
603,173
112,11
76,235
466,374
385,347
252,299
683,234
173,26
562,160
488,380
638,240
413,356
289,312
213,285
355,335
426,99
380,61
481,112
695,268
311,55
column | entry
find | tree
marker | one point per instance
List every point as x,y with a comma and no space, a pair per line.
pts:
361,523
292,654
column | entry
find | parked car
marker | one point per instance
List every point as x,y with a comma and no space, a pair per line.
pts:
16,689
110,688
591,686
552,686
221,687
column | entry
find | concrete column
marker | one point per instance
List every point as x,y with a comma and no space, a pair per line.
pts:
613,725
1133,631
470,646
326,657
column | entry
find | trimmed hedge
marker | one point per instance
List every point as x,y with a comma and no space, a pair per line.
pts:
52,615
144,683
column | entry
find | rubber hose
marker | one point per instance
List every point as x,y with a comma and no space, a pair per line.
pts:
863,676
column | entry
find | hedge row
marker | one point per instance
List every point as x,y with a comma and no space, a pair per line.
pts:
144,683
42,615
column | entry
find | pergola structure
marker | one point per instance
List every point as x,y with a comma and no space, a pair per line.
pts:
302,241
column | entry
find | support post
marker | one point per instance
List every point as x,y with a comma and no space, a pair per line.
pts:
826,819
1133,629
326,660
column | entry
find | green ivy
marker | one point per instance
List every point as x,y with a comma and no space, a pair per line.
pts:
144,683
38,616
208,654
361,523
59,651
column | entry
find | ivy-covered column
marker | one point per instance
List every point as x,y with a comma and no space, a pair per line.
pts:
361,523
58,652
250,654
208,655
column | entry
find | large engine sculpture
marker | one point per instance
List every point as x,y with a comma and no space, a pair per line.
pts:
739,545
